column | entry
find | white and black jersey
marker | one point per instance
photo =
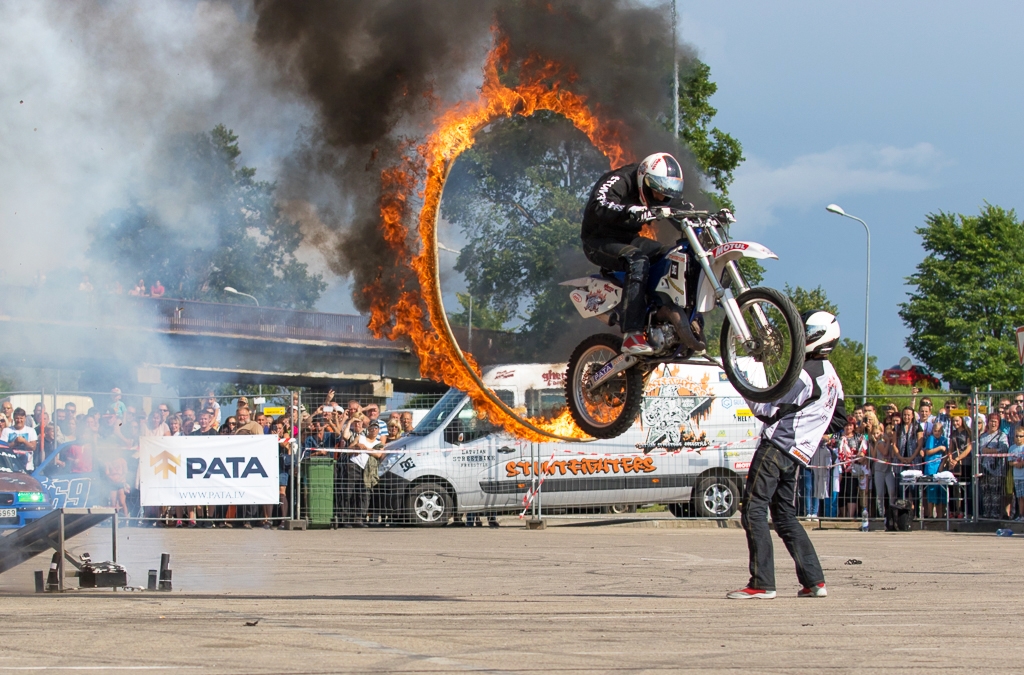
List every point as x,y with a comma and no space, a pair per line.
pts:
814,407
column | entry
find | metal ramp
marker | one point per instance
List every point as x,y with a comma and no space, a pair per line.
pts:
49,533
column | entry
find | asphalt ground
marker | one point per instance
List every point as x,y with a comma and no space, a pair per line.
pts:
563,600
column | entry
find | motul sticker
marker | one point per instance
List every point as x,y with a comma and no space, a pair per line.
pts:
741,466
731,246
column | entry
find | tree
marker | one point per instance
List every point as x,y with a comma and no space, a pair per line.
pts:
232,232
518,197
482,315
968,296
717,153
807,300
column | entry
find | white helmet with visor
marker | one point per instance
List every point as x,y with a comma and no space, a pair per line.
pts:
660,179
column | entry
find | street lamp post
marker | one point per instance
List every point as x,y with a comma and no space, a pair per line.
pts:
836,209
228,289
469,319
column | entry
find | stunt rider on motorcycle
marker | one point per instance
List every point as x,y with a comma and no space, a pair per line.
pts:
620,203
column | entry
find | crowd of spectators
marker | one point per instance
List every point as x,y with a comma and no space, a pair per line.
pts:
852,473
356,436
859,471
103,443
140,290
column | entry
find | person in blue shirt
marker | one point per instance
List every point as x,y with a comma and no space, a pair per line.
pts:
935,448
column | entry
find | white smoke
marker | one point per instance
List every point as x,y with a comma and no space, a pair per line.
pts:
91,93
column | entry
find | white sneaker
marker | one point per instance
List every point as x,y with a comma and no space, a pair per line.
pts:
636,343
750,594
815,591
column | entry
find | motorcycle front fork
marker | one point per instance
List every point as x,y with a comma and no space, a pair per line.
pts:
723,295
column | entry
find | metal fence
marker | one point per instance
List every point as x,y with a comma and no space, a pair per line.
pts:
467,471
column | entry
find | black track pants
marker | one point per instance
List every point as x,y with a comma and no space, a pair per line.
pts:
771,486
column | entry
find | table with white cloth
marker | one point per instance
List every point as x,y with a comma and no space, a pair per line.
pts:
945,479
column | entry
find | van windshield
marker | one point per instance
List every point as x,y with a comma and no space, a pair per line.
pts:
439,413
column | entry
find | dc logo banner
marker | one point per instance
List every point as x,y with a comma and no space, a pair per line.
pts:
208,470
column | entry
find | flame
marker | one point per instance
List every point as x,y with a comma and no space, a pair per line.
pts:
419,313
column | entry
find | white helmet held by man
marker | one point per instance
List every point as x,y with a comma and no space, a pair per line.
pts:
659,174
822,331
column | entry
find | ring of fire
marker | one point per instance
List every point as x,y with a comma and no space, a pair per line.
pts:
440,356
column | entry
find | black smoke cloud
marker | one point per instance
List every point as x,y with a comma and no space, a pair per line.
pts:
377,72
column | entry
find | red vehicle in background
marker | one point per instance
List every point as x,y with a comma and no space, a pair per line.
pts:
914,376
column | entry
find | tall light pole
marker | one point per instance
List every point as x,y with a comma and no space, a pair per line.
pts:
675,76
836,209
469,320
228,289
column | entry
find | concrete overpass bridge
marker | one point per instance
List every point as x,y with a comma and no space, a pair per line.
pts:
177,342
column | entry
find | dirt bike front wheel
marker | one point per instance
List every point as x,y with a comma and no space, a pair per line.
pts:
610,409
767,366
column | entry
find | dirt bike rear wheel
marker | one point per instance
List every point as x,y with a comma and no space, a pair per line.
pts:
609,410
777,344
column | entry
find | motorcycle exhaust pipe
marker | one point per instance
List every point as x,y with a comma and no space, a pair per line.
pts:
683,328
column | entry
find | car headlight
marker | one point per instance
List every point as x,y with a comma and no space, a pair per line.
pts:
31,497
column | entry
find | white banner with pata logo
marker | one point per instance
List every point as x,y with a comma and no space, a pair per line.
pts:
208,470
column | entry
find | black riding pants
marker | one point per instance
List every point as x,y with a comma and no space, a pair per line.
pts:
771,486
634,258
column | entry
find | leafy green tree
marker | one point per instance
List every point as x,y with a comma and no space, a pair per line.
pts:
806,300
7,382
968,296
718,153
518,197
482,315
234,233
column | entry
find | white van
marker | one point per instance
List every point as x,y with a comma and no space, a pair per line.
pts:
699,435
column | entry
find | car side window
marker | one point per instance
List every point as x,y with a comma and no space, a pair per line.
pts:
467,426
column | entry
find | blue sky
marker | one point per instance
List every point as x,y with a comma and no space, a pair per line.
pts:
891,110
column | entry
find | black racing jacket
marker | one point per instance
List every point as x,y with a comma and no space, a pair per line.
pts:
606,215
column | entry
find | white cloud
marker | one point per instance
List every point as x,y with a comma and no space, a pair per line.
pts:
814,180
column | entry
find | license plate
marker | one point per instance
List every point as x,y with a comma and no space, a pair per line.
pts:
8,513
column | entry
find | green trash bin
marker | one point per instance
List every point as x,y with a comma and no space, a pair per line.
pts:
319,473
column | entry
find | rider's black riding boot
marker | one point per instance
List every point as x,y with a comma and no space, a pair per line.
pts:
635,293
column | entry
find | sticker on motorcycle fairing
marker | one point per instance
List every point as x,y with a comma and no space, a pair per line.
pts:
725,248
673,283
596,298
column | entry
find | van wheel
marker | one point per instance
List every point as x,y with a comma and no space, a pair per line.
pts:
679,510
715,497
429,505
619,509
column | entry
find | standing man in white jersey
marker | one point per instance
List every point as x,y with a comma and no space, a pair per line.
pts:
793,427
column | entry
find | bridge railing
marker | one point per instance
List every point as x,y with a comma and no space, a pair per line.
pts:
198,317
206,317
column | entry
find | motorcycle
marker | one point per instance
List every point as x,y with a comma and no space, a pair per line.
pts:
762,336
